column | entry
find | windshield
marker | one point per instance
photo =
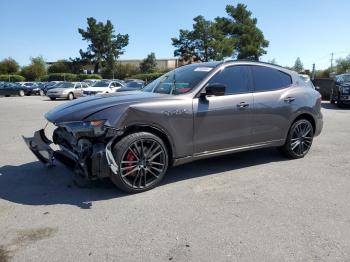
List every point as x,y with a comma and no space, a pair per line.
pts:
179,81
134,84
343,78
102,83
64,85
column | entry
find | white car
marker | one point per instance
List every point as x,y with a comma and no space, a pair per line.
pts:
103,87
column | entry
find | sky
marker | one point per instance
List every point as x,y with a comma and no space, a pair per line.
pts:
311,30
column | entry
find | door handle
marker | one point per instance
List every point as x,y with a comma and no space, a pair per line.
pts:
289,99
242,105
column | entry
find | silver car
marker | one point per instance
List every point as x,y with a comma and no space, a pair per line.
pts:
193,112
67,90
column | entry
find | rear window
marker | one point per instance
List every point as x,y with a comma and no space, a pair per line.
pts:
268,79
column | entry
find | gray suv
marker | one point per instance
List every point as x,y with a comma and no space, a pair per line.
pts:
194,112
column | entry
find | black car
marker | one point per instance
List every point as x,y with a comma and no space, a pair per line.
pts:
341,92
10,89
132,86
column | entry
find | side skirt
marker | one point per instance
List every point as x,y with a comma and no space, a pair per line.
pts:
226,151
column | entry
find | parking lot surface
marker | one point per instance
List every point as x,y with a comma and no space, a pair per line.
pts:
251,206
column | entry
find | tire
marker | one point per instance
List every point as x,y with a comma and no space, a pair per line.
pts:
299,139
53,98
21,93
70,96
134,155
340,104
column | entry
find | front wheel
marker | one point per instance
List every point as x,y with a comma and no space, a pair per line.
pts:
70,96
142,160
299,139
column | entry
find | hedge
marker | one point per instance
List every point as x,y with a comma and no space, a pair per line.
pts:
147,77
69,77
60,77
13,78
92,76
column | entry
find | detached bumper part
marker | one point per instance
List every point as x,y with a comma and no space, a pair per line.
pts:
39,144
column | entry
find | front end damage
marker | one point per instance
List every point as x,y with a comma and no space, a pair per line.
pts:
84,147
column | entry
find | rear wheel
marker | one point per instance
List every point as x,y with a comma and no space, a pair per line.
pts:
21,93
299,139
53,98
70,96
142,160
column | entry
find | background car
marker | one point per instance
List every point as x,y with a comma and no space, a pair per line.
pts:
103,87
341,92
66,90
10,89
132,86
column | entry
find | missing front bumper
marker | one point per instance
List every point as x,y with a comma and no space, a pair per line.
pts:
91,166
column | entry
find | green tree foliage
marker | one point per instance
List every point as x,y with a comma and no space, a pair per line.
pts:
239,25
61,66
36,70
123,71
298,65
104,45
149,64
343,65
203,43
8,66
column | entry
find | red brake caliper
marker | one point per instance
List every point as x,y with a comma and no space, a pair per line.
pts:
130,157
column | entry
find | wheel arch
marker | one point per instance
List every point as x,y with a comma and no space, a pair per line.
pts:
161,133
308,117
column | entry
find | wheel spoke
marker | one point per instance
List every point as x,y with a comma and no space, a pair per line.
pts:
155,155
156,163
130,172
134,153
152,173
129,162
128,167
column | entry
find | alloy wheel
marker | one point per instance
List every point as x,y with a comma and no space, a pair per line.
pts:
142,163
301,139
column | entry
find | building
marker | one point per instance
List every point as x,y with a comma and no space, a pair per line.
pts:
162,64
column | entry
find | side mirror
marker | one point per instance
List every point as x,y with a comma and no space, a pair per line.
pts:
214,90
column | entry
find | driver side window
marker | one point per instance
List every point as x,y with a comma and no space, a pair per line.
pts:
234,78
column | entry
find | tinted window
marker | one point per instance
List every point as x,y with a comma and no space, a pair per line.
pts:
234,78
267,79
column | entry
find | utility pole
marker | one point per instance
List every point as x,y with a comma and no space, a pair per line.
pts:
313,72
332,55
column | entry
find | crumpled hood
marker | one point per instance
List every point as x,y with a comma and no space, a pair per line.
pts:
78,110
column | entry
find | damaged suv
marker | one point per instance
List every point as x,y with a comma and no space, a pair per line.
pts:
193,112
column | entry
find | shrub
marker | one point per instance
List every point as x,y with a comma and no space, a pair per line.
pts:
60,77
91,76
147,77
13,78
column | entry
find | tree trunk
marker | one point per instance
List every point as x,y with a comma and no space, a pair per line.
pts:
97,64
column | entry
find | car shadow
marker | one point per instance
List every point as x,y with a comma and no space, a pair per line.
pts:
34,184
328,105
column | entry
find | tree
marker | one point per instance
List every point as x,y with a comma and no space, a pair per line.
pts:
149,64
239,25
204,43
8,66
61,66
343,65
104,45
36,70
273,61
298,65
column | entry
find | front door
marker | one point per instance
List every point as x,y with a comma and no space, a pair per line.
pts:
223,122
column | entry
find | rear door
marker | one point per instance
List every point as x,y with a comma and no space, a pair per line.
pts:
222,122
272,103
